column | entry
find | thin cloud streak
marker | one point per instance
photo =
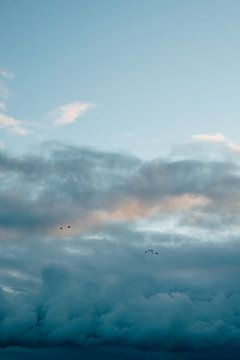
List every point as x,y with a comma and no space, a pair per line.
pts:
215,138
6,73
13,125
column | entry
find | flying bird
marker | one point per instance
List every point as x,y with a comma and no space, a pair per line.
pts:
151,252
61,227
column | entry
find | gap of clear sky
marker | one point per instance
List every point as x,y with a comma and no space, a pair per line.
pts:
156,71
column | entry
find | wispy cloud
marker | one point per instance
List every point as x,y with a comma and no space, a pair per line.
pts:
69,113
4,90
4,94
210,137
13,125
2,105
6,73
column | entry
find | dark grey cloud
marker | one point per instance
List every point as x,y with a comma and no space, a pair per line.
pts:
93,286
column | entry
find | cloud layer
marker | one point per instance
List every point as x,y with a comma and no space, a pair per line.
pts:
93,284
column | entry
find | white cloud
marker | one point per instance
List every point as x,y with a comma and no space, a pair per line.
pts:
233,146
15,126
210,137
69,113
218,138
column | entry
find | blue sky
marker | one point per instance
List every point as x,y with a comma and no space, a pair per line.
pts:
157,72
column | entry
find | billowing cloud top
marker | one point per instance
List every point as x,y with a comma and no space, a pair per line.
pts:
93,284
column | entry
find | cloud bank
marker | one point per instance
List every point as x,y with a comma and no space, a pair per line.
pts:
93,285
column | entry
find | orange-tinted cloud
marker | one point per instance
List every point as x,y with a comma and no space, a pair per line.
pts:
134,209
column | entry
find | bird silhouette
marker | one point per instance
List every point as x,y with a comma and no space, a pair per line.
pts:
150,251
61,227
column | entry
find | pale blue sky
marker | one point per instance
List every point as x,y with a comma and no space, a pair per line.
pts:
157,71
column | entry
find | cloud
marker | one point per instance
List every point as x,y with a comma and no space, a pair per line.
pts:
2,105
217,138
4,90
4,94
13,125
93,285
209,138
233,146
63,115
134,209
69,113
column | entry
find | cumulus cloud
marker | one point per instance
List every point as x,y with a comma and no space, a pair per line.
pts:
69,113
93,285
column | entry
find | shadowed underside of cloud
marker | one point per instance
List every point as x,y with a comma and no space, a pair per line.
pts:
93,285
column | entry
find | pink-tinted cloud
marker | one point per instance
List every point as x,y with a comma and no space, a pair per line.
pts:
13,125
216,138
134,209
69,113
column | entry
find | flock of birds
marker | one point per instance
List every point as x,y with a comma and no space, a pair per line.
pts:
61,227
150,251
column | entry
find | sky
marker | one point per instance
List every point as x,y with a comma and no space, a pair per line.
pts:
155,72
119,179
